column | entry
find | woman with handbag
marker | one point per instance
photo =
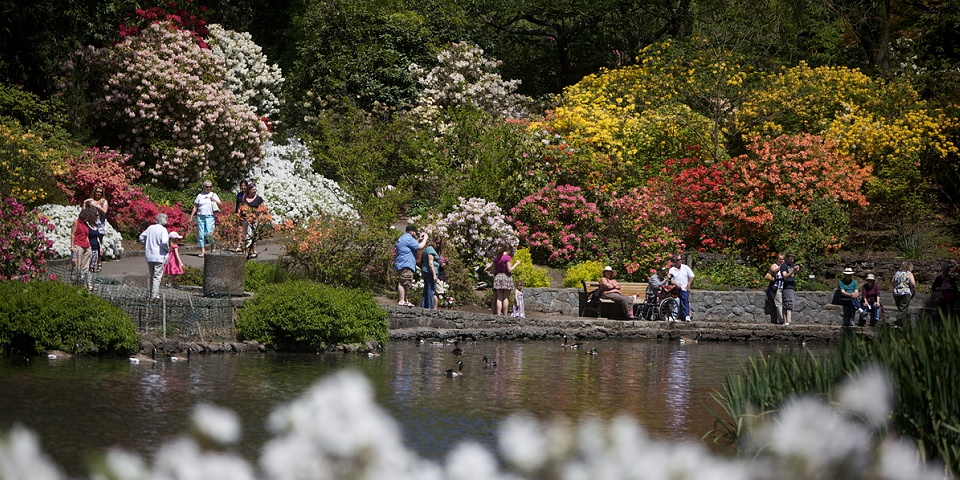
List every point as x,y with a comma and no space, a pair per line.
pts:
206,203
904,288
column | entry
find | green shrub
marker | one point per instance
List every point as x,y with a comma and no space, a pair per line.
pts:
531,276
307,313
461,286
589,271
921,360
727,273
38,316
257,275
192,276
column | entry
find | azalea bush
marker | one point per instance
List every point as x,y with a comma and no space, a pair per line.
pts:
141,212
475,227
62,219
160,97
253,81
291,190
108,168
28,166
24,246
559,225
341,251
190,16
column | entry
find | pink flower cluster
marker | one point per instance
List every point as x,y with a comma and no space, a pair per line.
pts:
23,244
160,97
639,224
101,167
559,224
141,212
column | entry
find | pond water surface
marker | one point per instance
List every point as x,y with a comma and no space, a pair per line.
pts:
84,405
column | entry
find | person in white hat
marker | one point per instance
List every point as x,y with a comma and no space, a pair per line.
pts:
610,289
871,299
849,296
174,266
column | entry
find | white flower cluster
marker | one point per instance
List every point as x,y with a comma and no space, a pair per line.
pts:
162,97
252,80
62,217
465,77
291,190
476,227
337,430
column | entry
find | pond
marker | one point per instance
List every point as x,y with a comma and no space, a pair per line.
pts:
84,405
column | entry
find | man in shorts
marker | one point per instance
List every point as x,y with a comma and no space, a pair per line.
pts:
406,261
789,269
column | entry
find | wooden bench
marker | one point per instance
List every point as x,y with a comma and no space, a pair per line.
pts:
592,301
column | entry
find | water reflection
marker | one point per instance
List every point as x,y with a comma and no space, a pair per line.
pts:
86,405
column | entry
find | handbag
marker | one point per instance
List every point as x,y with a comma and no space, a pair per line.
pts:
216,208
836,297
768,277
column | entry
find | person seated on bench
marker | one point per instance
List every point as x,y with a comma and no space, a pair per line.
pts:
610,289
654,283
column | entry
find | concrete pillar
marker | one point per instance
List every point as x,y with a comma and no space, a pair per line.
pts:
223,274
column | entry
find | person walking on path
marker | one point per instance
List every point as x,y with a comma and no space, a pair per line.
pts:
174,266
204,206
80,251
405,261
610,289
236,210
682,276
904,288
156,244
250,202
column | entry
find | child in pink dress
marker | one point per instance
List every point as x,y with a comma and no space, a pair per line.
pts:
174,266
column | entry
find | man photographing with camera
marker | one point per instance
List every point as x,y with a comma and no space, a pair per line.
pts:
789,273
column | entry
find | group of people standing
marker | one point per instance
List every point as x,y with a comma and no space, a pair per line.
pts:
426,255
86,236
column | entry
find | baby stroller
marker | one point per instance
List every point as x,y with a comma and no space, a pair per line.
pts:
662,305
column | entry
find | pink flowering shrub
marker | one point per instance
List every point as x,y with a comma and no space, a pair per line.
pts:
23,243
185,15
160,97
141,212
560,225
639,232
101,167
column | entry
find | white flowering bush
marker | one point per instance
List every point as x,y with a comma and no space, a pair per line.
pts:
254,81
291,190
475,227
465,77
161,98
336,430
62,218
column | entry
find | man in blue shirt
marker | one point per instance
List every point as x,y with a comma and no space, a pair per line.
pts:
406,261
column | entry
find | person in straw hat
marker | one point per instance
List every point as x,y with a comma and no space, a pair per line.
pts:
849,296
610,289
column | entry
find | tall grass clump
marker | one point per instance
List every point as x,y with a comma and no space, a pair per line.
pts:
922,361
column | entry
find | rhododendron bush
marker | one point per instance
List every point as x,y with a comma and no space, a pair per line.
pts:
639,233
733,203
254,82
559,225
141,212
27,165
475,227
24,245
160,97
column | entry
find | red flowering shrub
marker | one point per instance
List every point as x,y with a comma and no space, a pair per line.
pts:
559,224
141,212
101,167
23,244
639,232
188,15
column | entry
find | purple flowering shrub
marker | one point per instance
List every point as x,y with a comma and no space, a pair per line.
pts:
559,225
23,242
161,98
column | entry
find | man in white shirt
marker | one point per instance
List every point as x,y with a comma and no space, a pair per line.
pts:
156,243
682,276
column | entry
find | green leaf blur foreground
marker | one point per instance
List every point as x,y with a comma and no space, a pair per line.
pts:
303,313
50,315
923,364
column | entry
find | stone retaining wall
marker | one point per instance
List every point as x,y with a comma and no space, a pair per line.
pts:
810,308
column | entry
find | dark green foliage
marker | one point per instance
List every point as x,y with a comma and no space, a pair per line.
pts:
257,275
728,273
462,288
922,360
38,316
192,276
307,313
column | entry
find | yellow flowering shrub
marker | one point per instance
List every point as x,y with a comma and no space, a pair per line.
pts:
27,165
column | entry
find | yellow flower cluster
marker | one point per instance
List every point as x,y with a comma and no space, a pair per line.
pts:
27,165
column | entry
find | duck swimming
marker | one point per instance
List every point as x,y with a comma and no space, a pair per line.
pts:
487,363
458,372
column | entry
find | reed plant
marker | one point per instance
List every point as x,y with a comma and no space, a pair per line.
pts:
922,361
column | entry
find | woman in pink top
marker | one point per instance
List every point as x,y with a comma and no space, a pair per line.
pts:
503,280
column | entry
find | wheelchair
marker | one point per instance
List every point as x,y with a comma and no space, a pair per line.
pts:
664,306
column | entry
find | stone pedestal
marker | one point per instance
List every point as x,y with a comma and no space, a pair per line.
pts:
223,274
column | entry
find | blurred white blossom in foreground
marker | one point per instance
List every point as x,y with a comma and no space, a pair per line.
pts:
336,430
